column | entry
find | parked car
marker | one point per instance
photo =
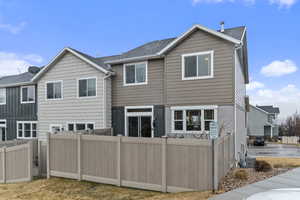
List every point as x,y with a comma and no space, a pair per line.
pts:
259,141
278,194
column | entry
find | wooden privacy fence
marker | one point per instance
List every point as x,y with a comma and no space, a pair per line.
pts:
290,139
161,164
16,161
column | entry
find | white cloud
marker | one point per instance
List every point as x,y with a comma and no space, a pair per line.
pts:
255,85
286,98
11,63
279,68
280,3
14,29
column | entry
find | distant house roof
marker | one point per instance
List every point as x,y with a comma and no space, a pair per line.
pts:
158,46
270,109
16,79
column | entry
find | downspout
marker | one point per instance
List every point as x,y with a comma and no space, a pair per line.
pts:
104,99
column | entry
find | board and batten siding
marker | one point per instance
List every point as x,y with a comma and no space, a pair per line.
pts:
149,94
217,90
71,108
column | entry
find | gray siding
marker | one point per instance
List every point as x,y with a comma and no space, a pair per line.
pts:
159,117
150,94
118,120
217,90
71,108
256,122
14,111
241,132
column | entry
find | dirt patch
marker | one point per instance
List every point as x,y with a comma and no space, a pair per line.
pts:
65,189
230,182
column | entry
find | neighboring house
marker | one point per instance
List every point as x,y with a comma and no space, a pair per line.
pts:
18,109
263,121
173,87
74,93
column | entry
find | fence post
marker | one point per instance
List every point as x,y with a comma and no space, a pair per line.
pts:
48,155
4,165
79,156
30,159
119,183
164,164
215,151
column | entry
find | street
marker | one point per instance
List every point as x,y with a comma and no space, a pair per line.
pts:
274,150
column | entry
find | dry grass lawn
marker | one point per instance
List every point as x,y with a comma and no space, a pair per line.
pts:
282,162
64,189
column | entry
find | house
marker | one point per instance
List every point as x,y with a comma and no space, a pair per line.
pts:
174,87
263,121
18,106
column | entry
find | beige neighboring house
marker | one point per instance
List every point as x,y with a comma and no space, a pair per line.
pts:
175,87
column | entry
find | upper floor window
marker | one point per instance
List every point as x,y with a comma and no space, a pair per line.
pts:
28,94
54,90
135,74
2,96
197,65
87,87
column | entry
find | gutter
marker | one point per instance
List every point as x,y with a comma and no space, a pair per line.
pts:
133,59
17,84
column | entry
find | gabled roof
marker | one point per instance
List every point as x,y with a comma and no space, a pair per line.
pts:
158,47
261,110
270,109
13,80
84,57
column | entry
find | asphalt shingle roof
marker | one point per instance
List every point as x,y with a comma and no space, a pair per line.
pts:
156,46
15,79
269,109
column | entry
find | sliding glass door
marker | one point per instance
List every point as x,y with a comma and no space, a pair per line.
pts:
139,126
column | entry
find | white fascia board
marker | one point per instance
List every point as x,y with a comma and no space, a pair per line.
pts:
213,32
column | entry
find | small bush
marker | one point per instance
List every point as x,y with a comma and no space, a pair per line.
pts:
262,166
241,174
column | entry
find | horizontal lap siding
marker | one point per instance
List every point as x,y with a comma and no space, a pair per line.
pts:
71,108
218,90
150,94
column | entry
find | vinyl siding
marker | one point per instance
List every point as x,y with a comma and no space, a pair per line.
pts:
14,111
217,90
256,122
150,94
240,89
71,108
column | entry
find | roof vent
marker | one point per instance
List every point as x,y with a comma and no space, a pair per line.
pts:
222,23
33,69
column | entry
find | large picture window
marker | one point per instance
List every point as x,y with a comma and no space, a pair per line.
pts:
26,130
28,94
2,96
135,74
193,119
54,90
87,87
197,65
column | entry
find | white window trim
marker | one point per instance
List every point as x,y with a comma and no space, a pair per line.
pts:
61,90
86,78
52,125
197,54
133,84
184,109
3,120
25,102
4,95
79,122
23,129
150,114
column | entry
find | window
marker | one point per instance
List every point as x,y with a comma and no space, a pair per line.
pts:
135,74
197,65
87,87
54,90
55,128
193,119
2,96
81,126
26,130
28,94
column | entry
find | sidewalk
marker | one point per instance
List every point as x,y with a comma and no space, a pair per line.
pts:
290,179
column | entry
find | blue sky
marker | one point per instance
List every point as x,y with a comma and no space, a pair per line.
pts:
32,32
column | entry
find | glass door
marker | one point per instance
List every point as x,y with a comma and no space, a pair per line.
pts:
139,126
2,134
